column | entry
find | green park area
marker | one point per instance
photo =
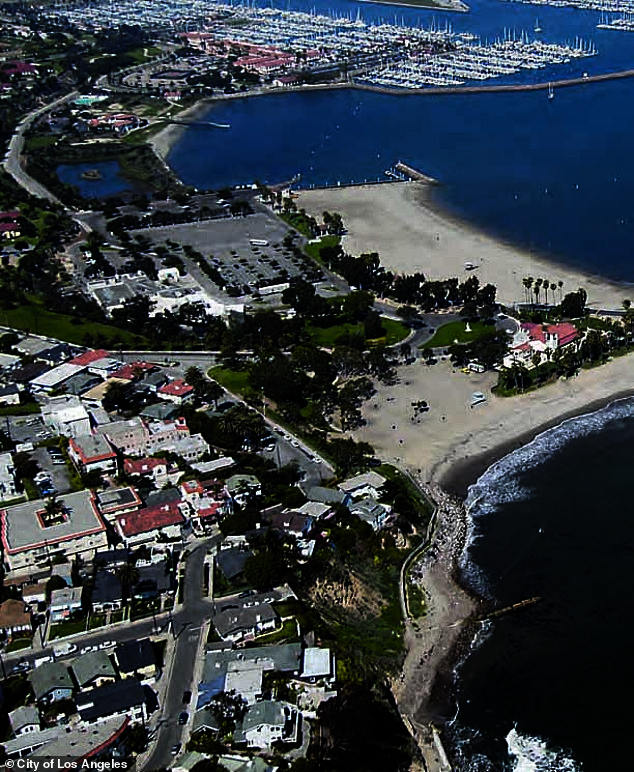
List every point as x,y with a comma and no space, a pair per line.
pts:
457,332
327,337
36,319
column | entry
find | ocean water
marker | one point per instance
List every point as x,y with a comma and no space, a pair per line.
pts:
544,687
556,177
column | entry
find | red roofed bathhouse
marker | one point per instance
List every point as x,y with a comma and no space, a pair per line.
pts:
539,338
144,525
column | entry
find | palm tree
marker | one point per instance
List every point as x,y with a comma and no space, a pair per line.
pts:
538,285
546,288
560,284
128,574
527,281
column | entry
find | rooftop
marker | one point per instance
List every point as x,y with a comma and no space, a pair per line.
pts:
26,526
150,519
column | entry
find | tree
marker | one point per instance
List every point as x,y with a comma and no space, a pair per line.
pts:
573,305
116,396
128,574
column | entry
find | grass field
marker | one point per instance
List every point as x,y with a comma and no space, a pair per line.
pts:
455,332
235,381
314,250
326,336
37,319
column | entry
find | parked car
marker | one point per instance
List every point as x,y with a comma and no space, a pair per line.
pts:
182,719
187,696
176,749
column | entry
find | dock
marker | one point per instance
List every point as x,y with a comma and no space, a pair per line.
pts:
414,174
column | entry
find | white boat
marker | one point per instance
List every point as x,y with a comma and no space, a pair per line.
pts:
537,28
551,93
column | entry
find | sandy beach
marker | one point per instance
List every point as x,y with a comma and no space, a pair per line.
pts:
164,140
398,221
451,445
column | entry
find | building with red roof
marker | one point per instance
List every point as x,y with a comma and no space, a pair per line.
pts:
88,357
532,339
176,391
92,452
144,525
134,371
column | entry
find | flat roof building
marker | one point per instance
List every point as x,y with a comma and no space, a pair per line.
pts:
32,536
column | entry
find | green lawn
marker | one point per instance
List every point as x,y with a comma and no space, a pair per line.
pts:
67,628
28,409
37,319
288,630
327,336
314,250
236,381
456,332
17,645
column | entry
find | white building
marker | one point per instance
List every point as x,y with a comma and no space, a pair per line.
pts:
7,478
66,416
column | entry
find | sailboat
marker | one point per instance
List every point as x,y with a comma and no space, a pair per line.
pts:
551,93
537,28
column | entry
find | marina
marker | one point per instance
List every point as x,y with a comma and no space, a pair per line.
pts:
477,63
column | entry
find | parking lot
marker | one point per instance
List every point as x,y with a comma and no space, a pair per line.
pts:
53,471
245,266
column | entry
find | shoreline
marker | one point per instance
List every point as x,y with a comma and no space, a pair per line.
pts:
412,231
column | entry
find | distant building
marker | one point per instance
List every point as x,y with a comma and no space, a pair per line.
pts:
55,378
64,603
532,339
136,659
144,525
7,478
51,682
24,720
92,669
121,698
268,722
367,484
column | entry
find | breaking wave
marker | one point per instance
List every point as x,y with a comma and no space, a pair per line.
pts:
530,754
502,482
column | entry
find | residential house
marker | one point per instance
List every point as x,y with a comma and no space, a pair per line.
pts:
151,523
120,698
231,562
32,536
9,225
34,594
10,394
24,720
92,670
15,617
88,357
239,624
371,511
155,581
118,501
366,484
67,416
92,453
315,509
103,367
318,665
158,470
64,603
136,659
29,742
51,682
106,593
55,355
268,722
328,496
243,487
8,490
292,523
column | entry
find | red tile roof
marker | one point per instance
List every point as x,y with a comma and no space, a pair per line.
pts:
150,519
142,465
176,388
565,332
130,372
89,356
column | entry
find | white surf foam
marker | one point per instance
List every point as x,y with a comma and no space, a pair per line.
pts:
531,754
